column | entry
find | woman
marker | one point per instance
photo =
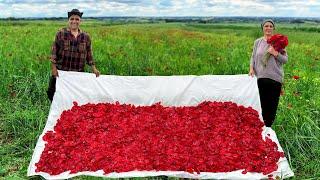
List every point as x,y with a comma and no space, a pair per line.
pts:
269,73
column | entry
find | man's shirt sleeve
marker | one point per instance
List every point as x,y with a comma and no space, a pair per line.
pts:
55,48
89,57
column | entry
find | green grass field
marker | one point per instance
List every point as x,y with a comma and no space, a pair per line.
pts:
156,49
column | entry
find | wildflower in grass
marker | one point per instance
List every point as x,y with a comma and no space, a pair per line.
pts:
296,93
295,77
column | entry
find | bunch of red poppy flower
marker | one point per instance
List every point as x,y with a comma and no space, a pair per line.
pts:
279,42
209,137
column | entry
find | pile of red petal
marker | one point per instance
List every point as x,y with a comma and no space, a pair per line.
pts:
209,137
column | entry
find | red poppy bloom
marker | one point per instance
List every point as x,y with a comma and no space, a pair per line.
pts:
295,77
278,41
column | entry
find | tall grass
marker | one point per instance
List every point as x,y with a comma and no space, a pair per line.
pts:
155,49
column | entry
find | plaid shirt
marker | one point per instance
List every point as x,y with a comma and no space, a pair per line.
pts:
72,53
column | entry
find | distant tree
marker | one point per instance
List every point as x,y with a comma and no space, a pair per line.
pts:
11,18
297,21
203,21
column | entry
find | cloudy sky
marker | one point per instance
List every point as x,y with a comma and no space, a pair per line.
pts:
58,8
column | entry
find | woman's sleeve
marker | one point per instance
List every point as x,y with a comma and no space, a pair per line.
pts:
283,57
253,53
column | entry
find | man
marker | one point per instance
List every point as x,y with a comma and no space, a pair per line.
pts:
70,50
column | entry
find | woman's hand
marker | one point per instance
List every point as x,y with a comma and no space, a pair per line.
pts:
251,71
272,51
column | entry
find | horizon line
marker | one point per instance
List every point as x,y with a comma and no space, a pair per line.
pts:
128,16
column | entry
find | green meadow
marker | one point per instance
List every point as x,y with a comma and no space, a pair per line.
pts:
156,49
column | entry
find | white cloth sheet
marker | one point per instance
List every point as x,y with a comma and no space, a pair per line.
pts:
147,90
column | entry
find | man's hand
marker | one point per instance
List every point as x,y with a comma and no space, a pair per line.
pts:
53,61
55,73
54,70
95,71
